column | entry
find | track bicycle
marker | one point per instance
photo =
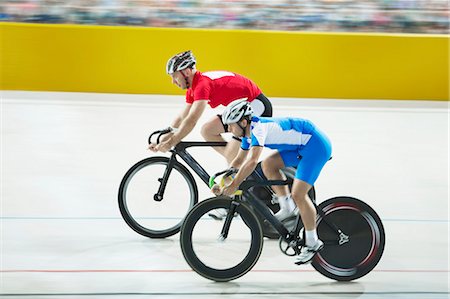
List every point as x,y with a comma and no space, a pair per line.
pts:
156,193
351,230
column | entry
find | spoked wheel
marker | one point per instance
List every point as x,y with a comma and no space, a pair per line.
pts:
143,211
212,256
357,251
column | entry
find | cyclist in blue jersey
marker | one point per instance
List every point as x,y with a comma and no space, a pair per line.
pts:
298,143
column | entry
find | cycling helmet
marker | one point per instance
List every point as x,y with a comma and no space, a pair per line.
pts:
236,111
180,62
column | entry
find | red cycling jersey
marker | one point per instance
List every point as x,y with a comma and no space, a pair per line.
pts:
221,88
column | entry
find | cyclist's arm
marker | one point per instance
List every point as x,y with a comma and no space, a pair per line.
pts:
179,119
175,124
239,159
189,122
249,165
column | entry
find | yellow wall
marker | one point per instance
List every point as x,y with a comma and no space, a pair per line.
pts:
283,64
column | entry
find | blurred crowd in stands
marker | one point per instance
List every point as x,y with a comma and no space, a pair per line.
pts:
399,16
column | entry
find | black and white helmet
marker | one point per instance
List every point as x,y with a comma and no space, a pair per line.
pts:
236,111
180,62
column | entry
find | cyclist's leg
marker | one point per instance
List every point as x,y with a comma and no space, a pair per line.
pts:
232,149
306,208
308,214
271,167
212,130
314,156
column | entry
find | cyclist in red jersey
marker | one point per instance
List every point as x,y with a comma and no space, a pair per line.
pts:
209,88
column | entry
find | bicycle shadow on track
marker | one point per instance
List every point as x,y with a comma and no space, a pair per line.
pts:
351,289
323,289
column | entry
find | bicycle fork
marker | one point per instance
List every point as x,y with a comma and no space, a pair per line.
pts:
227,222
158,196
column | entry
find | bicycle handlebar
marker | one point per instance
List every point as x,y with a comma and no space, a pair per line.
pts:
160,133
226,172
247,184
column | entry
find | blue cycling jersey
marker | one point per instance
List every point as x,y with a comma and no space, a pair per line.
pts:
298,141
279,133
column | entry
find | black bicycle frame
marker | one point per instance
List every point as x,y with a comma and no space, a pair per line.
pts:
180,150
264,211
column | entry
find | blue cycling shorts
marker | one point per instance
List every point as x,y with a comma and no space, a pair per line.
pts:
310,158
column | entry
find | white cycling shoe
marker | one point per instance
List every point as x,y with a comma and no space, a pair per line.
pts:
218,214
284,214
307,253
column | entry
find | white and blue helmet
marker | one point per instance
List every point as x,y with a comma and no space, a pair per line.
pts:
236,111
180,62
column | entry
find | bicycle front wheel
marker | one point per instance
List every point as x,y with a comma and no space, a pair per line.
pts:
143,211
212,256
358,250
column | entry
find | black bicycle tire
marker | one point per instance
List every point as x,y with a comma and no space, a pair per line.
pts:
326,262
133,224
196,264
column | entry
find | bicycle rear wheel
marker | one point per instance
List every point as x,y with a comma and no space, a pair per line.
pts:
209,255
348,259
151,217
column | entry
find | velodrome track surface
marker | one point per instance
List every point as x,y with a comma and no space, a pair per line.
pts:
62,236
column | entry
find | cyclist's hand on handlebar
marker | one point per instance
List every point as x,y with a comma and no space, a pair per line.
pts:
216,190
152,147
226,186
166,137
229,190
164,146
162,142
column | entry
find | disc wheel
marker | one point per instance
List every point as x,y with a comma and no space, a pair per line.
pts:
355,253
